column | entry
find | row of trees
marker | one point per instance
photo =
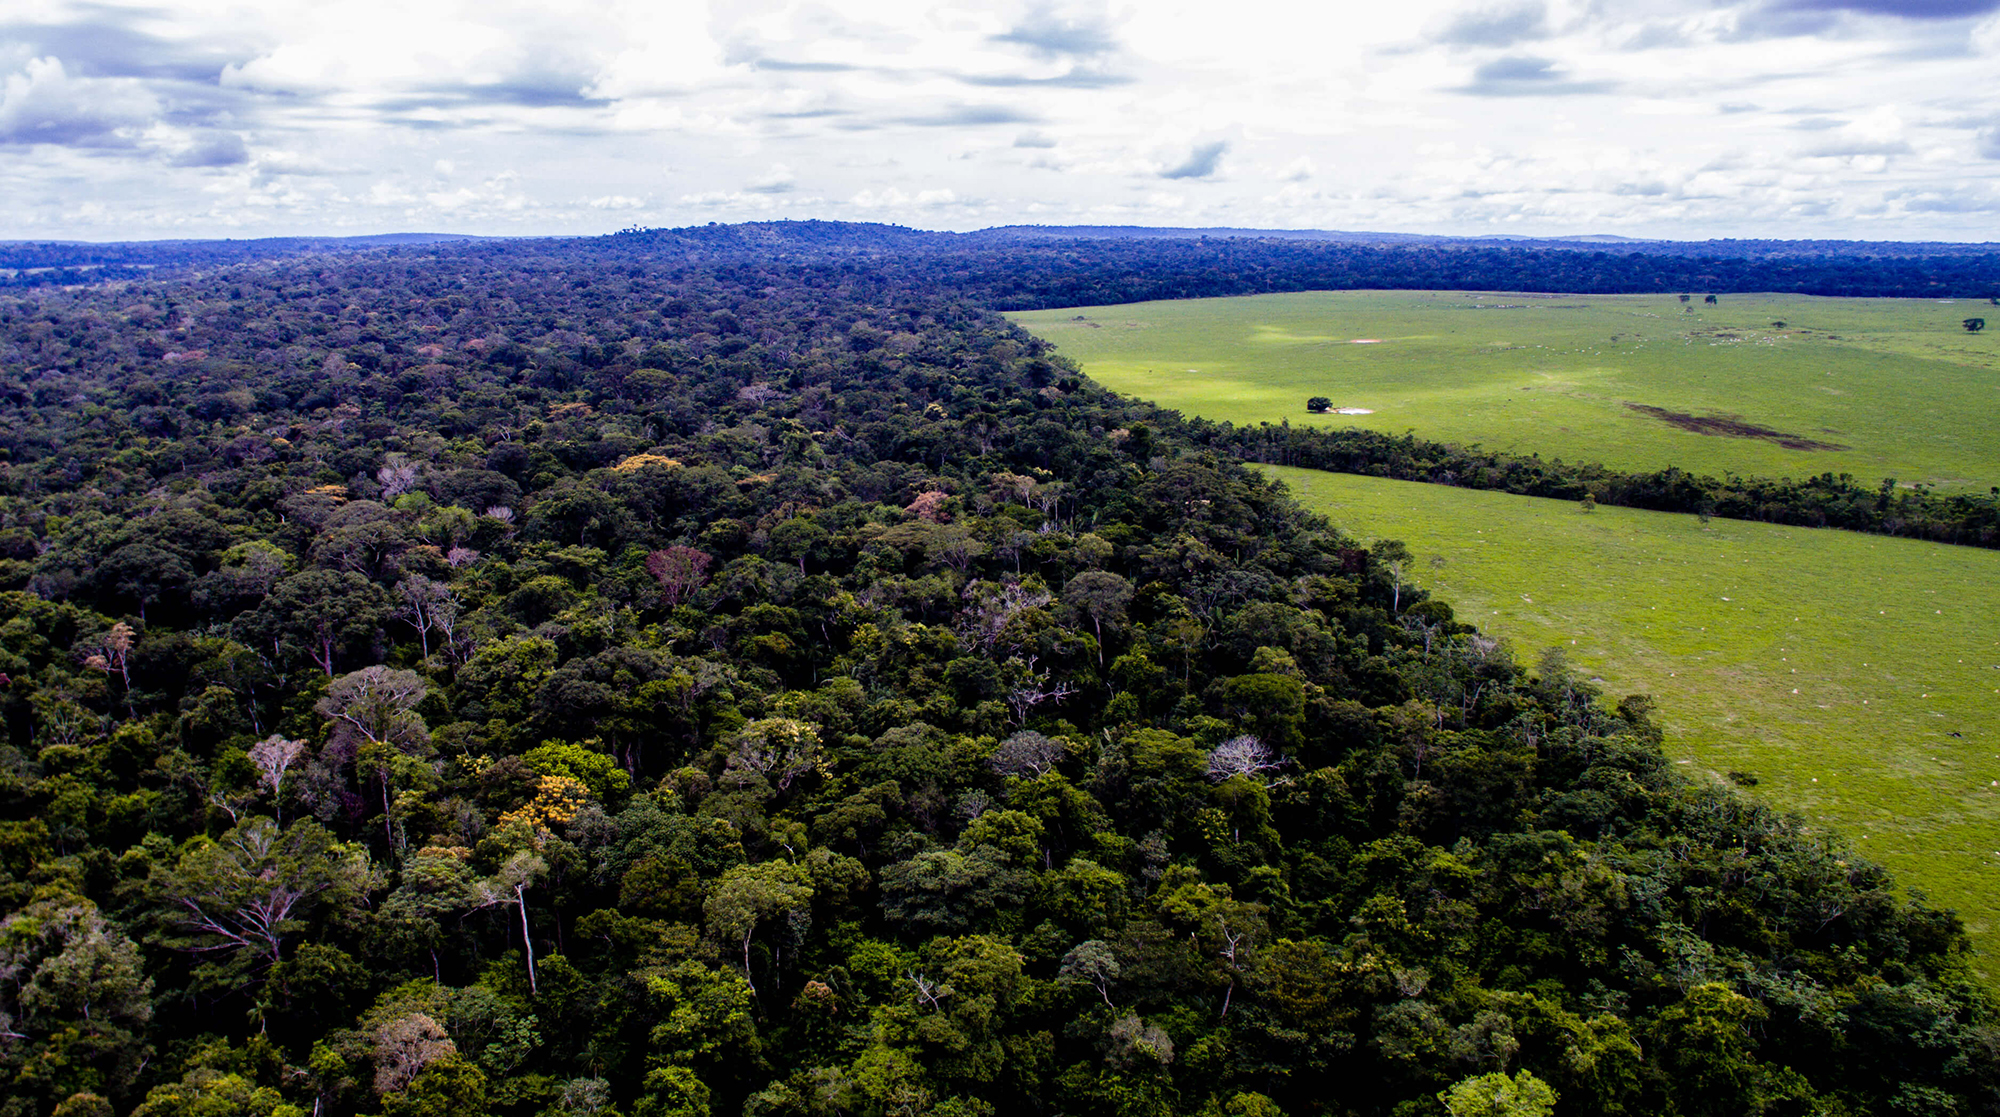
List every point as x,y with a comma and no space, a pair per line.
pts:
1828,500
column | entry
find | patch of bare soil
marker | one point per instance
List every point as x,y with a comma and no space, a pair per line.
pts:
1732,426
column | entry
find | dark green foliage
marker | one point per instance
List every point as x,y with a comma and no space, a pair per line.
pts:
670,675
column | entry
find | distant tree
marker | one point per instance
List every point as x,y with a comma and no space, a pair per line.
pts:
374,711
1319,404
143,574
751,894
1027,754
1093,963
322,613
1101,596
1974,325
1497,1095
1243,756
509,888
679,570
429,607
256,886
73,995
272,756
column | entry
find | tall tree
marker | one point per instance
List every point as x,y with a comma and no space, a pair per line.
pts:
374,711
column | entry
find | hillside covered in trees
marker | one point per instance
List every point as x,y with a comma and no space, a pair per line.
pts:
733,671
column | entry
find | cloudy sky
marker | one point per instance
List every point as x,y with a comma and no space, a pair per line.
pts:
1872,119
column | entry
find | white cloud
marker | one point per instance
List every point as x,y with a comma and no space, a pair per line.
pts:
43,104
1559,116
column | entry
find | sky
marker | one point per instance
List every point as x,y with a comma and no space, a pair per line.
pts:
1682,119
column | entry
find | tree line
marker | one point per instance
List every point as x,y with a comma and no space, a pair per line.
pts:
1827,501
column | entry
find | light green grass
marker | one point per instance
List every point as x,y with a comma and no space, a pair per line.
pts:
1896,380
1829,664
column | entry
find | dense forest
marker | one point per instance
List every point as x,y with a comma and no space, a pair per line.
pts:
734,671
1026,267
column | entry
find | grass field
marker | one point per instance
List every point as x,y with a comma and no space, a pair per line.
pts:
1856,676
1896,382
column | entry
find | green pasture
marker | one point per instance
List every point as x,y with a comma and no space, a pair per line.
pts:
1857,677
1897,382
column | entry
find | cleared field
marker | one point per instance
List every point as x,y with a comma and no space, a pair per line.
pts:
1872,387
1857,677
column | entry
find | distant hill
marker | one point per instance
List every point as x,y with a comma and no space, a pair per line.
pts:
1022,266
55,262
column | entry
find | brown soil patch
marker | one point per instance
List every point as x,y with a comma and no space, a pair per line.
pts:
1732,426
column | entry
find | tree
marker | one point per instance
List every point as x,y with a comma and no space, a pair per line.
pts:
1318,404
679,570
257,885
429,607
1101,596
1497,1095
73,993
752,894
375,709
273,756
324,613
404,1046
144,574
1027,754
1974,325
1244,756
448,1087
799,539
1394,555
1091,963
780,749
510,886
1707,1043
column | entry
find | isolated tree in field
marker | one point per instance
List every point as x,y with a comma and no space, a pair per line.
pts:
374,710
1709,299
1974,325
1318,404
